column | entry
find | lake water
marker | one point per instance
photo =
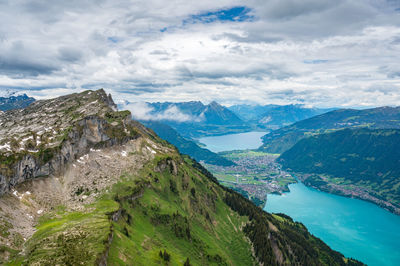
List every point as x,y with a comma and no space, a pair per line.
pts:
240,141
356,228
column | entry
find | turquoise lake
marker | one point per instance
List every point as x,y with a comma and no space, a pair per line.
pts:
356,228
240,141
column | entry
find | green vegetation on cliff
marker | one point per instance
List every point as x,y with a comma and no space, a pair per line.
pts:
175,208
364,157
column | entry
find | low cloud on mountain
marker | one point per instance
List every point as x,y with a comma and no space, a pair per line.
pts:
143,111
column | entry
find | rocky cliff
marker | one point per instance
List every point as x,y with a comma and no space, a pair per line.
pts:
42,139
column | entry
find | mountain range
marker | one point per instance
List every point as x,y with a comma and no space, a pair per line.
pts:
275,116
192,119
15,102
83,184
195,119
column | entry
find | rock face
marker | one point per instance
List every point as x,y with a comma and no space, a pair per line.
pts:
40,141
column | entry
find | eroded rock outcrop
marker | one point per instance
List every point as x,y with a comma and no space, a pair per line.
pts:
35,143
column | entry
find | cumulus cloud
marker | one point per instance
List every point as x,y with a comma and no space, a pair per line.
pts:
317,52
143,111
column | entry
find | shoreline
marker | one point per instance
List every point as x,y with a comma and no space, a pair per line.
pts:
357,193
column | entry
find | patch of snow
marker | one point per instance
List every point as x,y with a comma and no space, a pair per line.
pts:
28,193
5,146
84,157
151,150
39,211
26,139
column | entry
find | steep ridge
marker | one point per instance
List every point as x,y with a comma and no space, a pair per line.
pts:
283,139
122,196
360,163
43,138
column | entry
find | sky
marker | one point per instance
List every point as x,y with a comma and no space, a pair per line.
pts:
323,53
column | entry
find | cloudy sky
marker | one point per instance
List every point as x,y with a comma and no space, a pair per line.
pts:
315,52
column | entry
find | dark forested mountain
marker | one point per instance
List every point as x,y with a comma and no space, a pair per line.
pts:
368,158
15,102
274,116
284,138
83,184
194,119
187,146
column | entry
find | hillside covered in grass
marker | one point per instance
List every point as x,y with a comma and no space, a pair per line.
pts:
283,139
367,158
132,199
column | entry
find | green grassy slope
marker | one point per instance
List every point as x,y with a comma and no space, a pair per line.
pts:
283,139
176,208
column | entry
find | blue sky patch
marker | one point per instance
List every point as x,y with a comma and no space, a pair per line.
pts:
235,14
112,39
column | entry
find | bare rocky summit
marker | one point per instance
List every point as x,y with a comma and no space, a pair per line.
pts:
43,138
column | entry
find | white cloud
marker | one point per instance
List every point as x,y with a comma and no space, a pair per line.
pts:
316,52
143,111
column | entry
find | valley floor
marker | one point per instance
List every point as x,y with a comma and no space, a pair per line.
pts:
255,174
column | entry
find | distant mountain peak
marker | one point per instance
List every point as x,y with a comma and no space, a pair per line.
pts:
15,102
